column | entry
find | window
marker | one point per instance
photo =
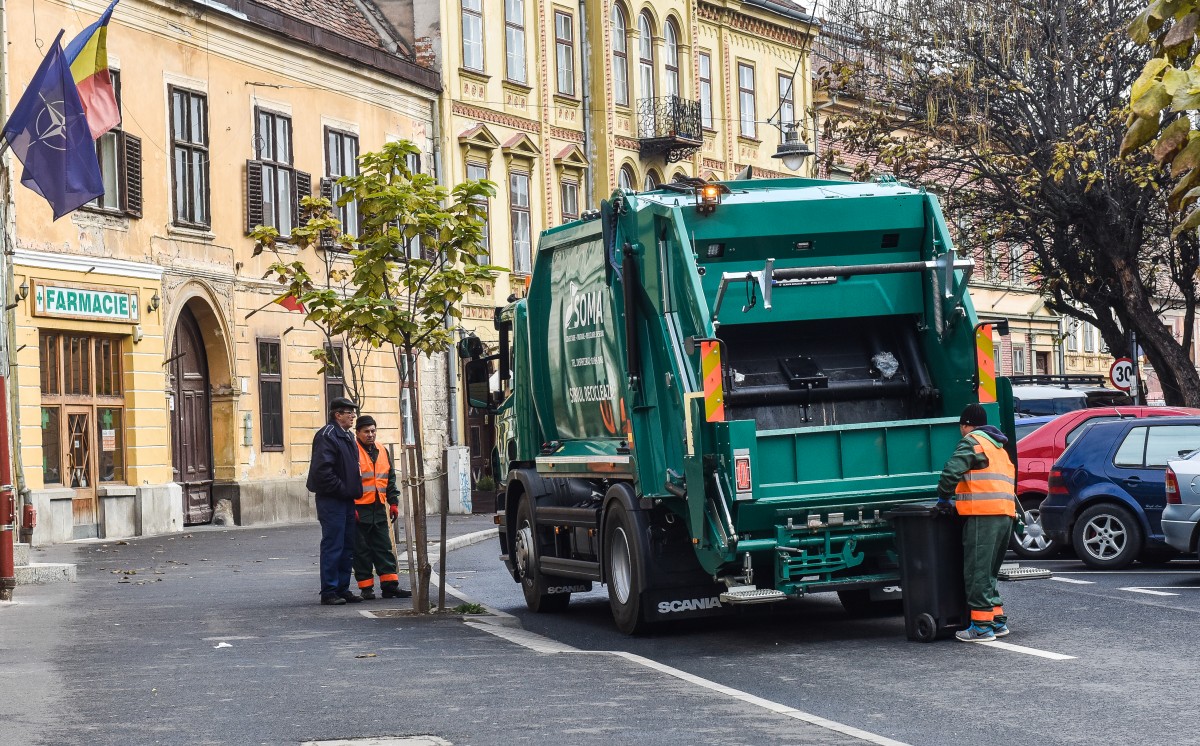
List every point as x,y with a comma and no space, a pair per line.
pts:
1014,265
706,103
1078,429
270,394
651,181
570,201
625,178
335,377
408,384
992,264
277,178
514,40
189,158
749,128
1089,338
645,56
472,34
477,171
672,61
341,159
1072,335
1018,357
1167,442
787,104
518,196
1133,449
88,369
120,158
620,33
564,45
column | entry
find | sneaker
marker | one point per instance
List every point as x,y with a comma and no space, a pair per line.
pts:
368,594
351,598
332,600
396,593
976,634
1000,629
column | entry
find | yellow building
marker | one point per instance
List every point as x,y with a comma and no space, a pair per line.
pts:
153,374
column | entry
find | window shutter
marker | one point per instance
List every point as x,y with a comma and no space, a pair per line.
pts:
303,186
327,241
131,159
254,195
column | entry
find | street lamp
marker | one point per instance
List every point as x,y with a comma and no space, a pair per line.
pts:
793,149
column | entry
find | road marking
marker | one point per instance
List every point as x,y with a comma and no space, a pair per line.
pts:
541,644
1148,592
1028,651
1073,580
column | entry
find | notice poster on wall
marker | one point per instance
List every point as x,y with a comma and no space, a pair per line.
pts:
108,440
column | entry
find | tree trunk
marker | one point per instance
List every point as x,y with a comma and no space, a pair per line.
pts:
419,575
1181,384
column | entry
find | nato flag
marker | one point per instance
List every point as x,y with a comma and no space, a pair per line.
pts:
49,132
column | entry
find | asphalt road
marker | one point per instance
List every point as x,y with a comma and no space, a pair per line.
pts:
1093,657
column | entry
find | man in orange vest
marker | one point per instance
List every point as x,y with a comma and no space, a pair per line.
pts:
981,478
373,549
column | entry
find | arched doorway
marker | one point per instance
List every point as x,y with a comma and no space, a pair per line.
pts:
191,419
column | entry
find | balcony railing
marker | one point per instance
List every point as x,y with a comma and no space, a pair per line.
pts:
670,125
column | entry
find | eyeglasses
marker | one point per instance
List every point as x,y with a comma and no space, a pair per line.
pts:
343,411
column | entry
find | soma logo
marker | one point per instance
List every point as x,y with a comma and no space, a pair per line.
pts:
689,604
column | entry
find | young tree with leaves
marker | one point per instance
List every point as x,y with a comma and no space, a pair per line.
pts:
1017,108
415,258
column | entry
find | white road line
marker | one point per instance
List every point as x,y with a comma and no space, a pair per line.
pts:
1027,651
541,644
1073,580
1148,592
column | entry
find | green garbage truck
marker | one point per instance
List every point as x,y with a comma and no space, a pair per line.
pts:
711,393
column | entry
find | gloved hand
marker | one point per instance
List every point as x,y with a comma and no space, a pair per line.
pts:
944,506
394,510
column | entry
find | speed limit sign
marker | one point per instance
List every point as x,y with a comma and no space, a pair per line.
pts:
1121,373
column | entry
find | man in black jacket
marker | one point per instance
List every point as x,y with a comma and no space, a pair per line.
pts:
333,476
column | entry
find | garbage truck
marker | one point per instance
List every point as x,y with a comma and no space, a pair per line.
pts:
712,393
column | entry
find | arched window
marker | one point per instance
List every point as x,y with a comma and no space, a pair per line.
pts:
672,54
620,30
645,56
625,178
652,181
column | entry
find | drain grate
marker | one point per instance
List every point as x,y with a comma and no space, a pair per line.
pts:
1016,572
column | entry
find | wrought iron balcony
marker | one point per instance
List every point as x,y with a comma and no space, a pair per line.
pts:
670,125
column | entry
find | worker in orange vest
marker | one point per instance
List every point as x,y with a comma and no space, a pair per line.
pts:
981,478
373,549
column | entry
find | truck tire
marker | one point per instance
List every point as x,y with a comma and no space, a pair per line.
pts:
623,565
526,553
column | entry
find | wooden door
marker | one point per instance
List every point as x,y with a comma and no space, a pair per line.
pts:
81,468
191,420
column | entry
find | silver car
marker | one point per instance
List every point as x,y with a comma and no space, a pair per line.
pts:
1181,515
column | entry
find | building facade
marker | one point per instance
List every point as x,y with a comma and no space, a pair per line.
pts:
153,373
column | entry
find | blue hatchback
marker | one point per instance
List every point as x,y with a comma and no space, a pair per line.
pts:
1107,491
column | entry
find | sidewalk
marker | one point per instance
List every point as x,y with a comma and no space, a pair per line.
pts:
215,636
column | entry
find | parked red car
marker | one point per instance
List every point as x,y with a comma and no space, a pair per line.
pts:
1038,451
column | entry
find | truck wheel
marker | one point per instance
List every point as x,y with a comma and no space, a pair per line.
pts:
623,560
1107,537
526,552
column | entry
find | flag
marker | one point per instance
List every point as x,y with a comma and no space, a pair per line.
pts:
290,303
87,54
49,133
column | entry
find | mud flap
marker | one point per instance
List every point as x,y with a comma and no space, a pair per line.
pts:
688,602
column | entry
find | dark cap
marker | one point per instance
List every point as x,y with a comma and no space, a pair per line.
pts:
342,402
973,415
364,421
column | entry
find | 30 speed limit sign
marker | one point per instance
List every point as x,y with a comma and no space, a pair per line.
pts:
1121,373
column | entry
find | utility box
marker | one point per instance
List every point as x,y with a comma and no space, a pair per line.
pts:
458,480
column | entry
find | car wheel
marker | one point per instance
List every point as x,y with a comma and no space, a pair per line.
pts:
1033,543
1107,537
526,553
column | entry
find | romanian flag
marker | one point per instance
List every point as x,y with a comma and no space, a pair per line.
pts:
87,54
291,303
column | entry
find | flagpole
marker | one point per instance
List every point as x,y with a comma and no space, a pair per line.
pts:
260,308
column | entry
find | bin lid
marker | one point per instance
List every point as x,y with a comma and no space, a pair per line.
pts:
912,510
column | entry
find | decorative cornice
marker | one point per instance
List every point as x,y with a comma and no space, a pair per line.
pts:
714,164
562,133
92,265
626,142
496,117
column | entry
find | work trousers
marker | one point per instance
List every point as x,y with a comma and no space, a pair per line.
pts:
985,540
373,554
337,544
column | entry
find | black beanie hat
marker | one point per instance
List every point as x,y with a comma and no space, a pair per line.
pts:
972,415
363,421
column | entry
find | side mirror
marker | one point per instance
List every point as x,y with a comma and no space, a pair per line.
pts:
478,374
470,348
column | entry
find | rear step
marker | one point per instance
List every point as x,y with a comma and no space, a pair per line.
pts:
749,594
1013,571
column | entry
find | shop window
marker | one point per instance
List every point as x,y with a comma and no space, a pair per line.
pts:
120,156
81,384
270,394
189,158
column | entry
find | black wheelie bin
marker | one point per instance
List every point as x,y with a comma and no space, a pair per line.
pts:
929,543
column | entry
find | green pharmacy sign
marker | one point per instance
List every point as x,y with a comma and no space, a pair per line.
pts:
82,303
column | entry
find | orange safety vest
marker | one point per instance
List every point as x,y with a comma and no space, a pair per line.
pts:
374,476
992,489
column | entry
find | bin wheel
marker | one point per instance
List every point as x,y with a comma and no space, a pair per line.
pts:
926,628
